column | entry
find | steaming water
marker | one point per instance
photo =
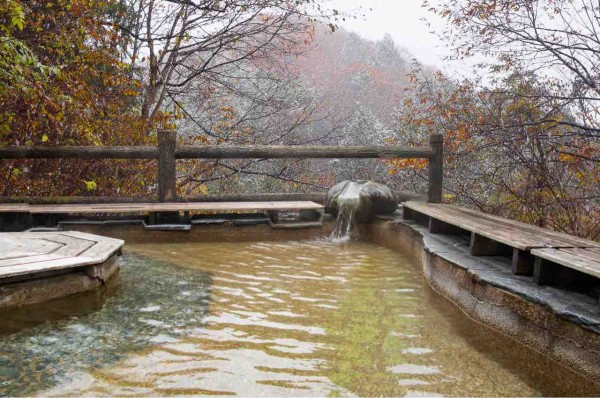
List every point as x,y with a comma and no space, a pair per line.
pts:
348,202
267,319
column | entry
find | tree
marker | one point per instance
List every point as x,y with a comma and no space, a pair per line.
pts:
553,43
499,159
175,44
535,113
63,83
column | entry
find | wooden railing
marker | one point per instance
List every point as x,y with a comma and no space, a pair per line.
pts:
167,152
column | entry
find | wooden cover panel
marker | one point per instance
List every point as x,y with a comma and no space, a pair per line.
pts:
24,253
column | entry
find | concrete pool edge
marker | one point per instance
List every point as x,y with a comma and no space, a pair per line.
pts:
567,334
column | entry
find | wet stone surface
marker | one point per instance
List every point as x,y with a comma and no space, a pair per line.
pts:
575,307
267,319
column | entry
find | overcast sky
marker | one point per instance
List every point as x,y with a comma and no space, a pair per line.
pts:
403,20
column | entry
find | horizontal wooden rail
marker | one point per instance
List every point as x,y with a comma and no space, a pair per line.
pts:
79,152
317,197
217,152
300,152
168,151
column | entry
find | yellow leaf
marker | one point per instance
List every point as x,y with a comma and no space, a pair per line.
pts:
90,185
44,138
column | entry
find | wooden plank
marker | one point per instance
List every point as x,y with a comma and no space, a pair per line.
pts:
565,239
216,152
318,197
30,242
31,246
486,229
79,152
14,207
29,259
71,246
102,251
574,259
62,263
519,235
103,247
300,152
592,255
173,206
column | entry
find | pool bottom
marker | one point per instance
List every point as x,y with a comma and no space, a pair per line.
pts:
293,318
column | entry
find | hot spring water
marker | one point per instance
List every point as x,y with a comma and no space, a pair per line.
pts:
283,318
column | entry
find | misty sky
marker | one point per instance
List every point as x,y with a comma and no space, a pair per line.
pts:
403,20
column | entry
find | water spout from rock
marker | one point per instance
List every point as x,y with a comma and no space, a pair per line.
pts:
355,202
347,204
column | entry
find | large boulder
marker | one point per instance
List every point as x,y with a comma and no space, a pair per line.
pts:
364,199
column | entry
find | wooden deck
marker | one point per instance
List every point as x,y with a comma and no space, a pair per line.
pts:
535,251
28,253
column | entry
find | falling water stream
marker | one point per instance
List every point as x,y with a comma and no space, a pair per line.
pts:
348,203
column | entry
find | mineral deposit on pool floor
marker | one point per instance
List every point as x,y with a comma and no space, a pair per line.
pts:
268,319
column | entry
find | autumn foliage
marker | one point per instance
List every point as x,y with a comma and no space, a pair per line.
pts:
521,133
506,152
74,89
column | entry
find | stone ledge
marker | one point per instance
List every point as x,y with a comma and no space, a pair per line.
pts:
562,325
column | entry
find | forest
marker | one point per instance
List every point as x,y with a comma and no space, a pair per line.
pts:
522,131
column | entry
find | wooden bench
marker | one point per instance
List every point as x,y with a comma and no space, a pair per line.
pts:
272,208
586,260
492,235
172,206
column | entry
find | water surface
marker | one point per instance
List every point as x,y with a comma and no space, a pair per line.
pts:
267,319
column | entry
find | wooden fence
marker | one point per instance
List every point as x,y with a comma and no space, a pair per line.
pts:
167,152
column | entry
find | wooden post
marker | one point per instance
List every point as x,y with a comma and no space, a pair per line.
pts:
482,246
522,262
408,214
544,272
167,178
439,227
436,168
